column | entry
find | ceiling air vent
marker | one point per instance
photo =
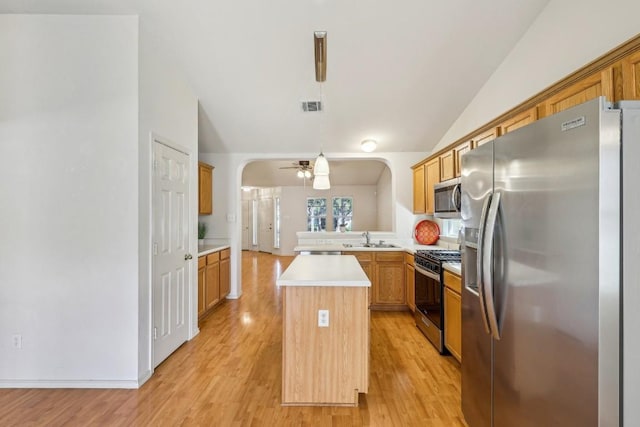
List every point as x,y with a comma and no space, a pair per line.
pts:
311,106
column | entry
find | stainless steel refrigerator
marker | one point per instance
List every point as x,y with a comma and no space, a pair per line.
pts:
543,272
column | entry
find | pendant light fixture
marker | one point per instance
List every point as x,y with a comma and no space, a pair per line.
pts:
321,166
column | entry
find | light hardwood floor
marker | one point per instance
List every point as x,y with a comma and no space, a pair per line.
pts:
230,375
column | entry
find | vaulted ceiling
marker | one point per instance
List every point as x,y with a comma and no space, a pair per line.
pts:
400,72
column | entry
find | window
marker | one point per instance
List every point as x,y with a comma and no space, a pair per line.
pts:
342,213
316,214
450,227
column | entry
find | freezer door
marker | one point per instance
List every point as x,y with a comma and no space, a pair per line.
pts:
548,268
476,185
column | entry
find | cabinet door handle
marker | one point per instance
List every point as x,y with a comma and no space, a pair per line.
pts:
187,257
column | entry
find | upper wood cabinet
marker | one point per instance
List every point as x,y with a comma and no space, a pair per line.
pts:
205,189
447,165
432,176
419,201
519,120
458,152
631,76
593,86
485,137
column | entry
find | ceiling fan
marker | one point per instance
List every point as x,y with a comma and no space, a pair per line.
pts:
303,166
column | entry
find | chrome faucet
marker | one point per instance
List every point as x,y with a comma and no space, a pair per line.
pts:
367,237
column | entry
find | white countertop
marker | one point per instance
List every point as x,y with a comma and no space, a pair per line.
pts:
454,267
324,270
340,247
208,249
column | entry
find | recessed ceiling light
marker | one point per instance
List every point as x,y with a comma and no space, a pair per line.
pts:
368,145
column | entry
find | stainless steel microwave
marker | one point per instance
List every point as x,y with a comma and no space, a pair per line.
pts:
447,199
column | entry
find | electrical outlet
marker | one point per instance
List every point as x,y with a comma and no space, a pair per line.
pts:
323,318
17,340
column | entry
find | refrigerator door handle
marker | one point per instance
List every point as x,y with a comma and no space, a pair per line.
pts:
487,267
480,263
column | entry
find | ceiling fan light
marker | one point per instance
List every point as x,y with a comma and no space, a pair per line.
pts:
300,174
368,145
321,182
307,174
321,167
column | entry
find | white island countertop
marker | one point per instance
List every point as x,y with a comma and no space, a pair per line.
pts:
324,270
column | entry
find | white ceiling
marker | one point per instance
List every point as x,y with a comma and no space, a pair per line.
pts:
400,72
267,173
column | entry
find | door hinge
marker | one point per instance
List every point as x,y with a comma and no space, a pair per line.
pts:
155,248
155,333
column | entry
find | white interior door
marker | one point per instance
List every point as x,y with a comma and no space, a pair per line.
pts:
265,223
245,226
171,279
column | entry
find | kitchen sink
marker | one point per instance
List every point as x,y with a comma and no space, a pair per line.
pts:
370,245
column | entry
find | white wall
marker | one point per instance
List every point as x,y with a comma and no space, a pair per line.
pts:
567,35
168,110
293,210
69,246
228,178
385,201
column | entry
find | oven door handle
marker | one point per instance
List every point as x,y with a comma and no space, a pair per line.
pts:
480,264
427,273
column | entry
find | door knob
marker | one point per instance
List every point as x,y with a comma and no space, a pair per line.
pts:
187,257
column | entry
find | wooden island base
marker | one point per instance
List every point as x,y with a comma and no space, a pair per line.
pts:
325,365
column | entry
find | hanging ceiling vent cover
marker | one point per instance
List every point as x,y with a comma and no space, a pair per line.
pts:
311,106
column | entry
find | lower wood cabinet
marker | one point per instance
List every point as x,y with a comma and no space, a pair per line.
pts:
213,280
386,271
410,281
225,273
453,314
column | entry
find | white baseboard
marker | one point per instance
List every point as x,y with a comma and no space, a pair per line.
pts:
234,296
144,378
69,384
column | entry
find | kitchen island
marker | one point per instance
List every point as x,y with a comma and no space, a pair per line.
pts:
325,342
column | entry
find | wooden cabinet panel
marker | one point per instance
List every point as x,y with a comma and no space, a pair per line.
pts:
598,84
386,271
390,287
225,277
419,193
485,137
214,279
212,284
519,120
205,189
447,165
458,152
202,261
366,260
410,280
452,281
631,76
390,257
453,323
432,176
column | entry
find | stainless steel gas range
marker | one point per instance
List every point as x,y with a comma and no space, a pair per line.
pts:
429,289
